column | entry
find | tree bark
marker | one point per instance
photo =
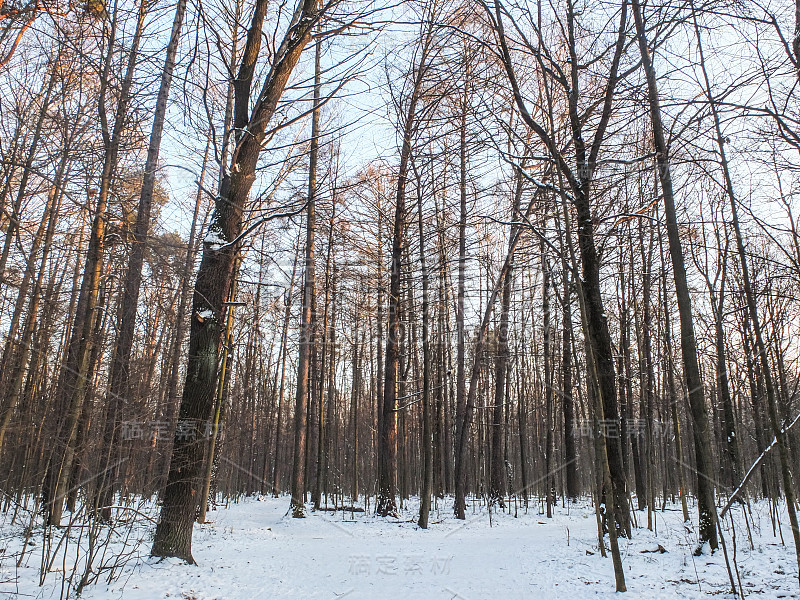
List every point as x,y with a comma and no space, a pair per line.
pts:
427,417
173,535
694,383
307,318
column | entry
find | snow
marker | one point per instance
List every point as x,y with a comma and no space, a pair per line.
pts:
214,239
205,314
254,550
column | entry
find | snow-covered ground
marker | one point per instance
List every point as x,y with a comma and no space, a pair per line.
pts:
254,550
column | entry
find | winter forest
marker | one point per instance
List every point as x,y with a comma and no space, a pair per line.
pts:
416,299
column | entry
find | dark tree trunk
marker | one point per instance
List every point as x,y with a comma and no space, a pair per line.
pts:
461,373
427,417
307,316
570,451
497,483
173,535
694,383
547,344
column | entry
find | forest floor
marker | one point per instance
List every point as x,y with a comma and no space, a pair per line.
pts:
254,550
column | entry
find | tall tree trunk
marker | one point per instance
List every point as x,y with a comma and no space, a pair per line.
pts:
307,318
327,373
605,489
427,417
694,383
461,374
118,390
326,441
222,392
570,450
180,315
387,467
307,340
647,370
497,483
173,535
547,344
673,395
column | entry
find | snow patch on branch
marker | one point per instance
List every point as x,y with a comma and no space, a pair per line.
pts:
214,240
